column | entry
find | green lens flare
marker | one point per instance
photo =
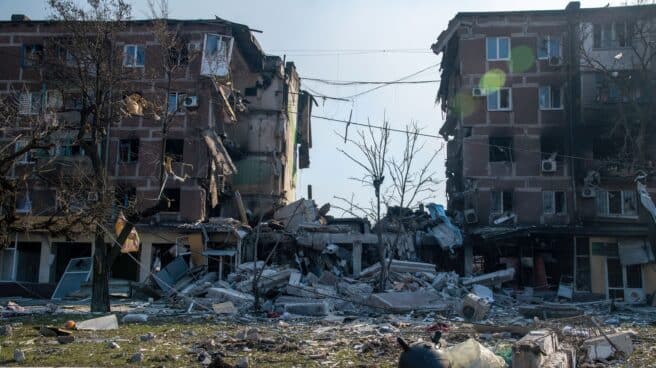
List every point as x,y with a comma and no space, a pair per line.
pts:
521,59
493,80
464,104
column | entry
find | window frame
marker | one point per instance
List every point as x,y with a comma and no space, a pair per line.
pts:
174,156
178,103
550,95
505,199
497,42
549,55
34,109
552,196
602,193
134,56
132,154
37,50
28,157
498,100
601,29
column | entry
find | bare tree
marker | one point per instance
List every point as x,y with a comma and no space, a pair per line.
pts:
624,81
409,181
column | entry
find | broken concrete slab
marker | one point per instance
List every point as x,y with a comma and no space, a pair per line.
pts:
307,309
399,266
492,278
296,213
224,308
234,296
135,318
328,278
109,322
474,308
295,278
319,291
532,350
407,301
598,348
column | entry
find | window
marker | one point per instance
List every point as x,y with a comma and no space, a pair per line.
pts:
175,149
553,203
501,202
29,103
27,157
549,47
500,149
499,100
551,98
128,150
54,100
617,203
618,34
179,57
126,196
67,147
66,57
175,101
31,55
498,48
134,56
551,146
173,196
634,276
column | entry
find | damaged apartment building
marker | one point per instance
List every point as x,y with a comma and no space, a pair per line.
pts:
538,172
240,133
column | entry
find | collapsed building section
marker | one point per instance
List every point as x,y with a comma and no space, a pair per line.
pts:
240,131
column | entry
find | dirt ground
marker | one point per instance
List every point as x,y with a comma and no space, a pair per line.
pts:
178,340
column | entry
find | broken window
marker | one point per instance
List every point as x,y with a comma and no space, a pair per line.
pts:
217,52
29,103
134,56
32,55
129,150
175,100
616,203
551,147
173,197
498,48
604,148
501,201
179,56
551,98
617,34
548,47
553,202
175,149
501,149
499,100
20,262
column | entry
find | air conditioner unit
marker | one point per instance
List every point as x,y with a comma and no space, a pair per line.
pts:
478,92
634,296
555,61
588,192
470,216
190,101
92,196
549,166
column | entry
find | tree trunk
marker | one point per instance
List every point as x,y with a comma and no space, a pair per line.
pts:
100,275
382,281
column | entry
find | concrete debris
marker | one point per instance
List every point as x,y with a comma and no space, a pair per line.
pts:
600,348
113,345
307,309
407,301
109,322
534,349
225,308
6,330
65,339
147,337
136,358
238,298
474,308
493,278
135,318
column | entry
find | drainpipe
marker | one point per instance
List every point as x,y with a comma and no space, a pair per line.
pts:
574,84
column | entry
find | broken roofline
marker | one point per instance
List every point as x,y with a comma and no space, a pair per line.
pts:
247,43
573,6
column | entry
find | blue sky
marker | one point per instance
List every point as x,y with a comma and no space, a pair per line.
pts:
298,28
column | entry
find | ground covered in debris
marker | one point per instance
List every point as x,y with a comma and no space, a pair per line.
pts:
181,340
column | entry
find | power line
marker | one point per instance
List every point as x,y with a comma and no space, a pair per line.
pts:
367,125
349,83
394,81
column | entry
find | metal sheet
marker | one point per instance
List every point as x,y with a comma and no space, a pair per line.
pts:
78,271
